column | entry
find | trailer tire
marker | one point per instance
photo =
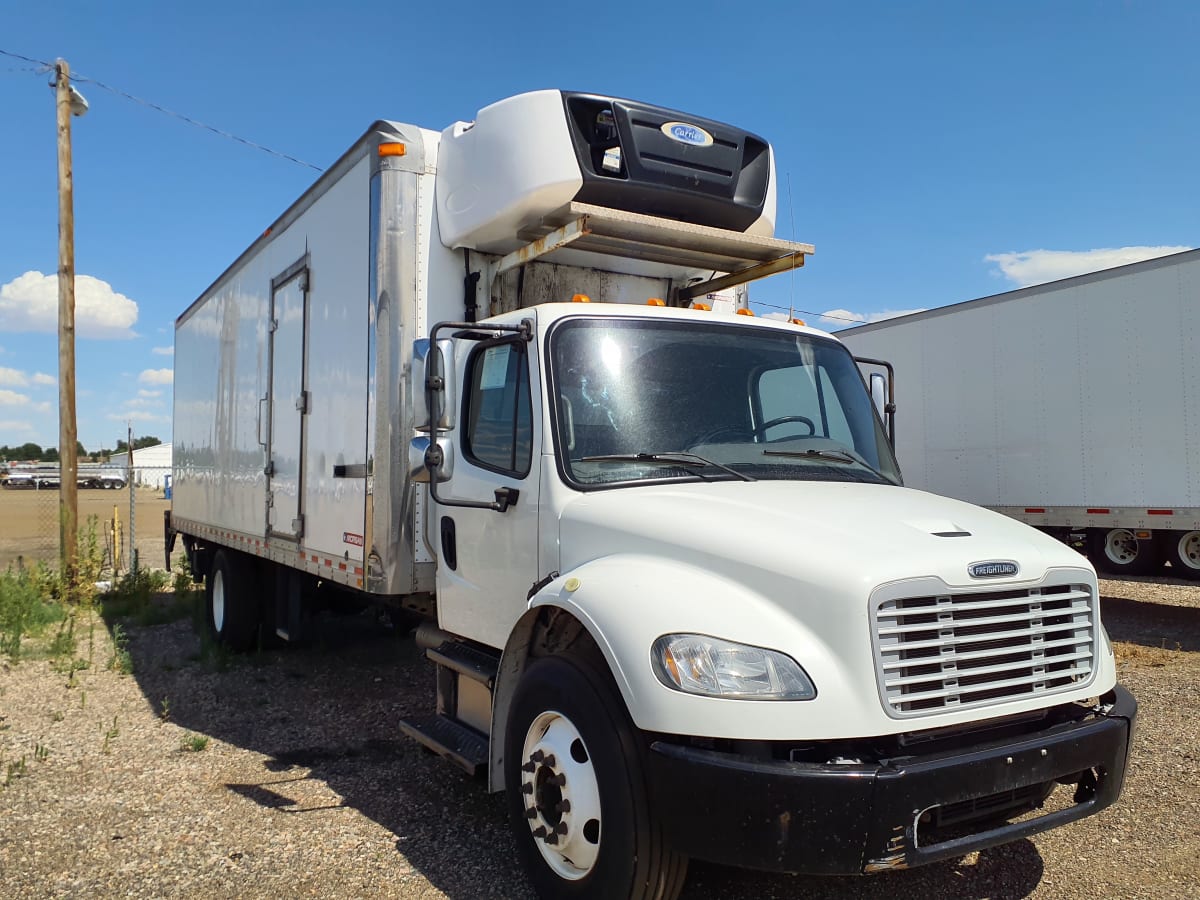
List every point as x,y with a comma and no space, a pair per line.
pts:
569,738
1117,551
231,602
1182,550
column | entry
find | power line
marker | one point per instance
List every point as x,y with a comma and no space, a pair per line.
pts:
120,93
807,312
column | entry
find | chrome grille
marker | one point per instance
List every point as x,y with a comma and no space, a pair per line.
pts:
957,651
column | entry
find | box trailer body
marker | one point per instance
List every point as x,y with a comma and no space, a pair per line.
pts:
1073,406
655,541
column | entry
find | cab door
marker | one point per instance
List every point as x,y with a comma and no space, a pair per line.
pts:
488,557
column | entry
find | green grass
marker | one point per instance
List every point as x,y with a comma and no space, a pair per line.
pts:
193,743
26,609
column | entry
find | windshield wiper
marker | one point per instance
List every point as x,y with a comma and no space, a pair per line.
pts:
687,460
843,456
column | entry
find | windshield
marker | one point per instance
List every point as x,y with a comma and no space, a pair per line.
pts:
764,403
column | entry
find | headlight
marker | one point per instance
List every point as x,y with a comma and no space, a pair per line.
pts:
711,667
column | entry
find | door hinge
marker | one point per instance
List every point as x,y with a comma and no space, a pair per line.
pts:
304,283
269,469
302,403
298,526
273,326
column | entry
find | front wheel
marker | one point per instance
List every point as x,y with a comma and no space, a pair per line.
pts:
577,795
1118,552
1182,550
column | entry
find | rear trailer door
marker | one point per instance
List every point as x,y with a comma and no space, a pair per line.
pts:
288,399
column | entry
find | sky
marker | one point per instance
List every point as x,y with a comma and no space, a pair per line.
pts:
933,152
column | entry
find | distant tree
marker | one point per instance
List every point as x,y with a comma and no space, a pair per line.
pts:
28,451
50,454
145,441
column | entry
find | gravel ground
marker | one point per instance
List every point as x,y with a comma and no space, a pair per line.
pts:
305,787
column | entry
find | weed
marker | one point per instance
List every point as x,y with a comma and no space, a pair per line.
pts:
110,734
121,661
26,608
41,752
58,715
83,699
193,743
135,596
14,770
164,709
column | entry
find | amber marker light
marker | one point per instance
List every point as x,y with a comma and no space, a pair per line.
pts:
581,298
392,149
745,312
796,321
703,306
655,301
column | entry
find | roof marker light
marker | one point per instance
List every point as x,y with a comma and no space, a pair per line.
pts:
581,298
392,148
796,321
703,306
655,301
745,312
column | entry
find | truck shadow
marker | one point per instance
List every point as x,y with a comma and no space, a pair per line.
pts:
324,719
1159,625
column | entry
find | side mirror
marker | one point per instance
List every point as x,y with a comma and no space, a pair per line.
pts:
879,393
427,461
433,385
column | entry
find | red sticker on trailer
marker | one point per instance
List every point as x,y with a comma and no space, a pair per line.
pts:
355,539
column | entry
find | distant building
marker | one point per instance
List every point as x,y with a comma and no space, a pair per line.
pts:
150,465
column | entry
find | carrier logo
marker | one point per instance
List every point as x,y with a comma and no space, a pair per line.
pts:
683,133
992,569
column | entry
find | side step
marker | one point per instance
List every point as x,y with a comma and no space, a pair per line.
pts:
461,745
466,661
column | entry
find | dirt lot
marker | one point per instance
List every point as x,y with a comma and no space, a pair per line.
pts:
29,522
305,788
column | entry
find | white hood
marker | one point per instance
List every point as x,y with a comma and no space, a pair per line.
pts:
827,534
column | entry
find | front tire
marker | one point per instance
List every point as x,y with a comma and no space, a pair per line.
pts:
577,793
1182,550
1118,552
232,602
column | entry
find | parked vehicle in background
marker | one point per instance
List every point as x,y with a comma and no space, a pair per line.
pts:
1072,406
38,478
656,543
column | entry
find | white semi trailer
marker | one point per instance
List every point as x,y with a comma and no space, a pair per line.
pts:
678,601
1073,406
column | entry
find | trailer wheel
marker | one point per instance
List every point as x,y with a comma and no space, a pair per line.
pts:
1117,551
577,793
1182,550
231,601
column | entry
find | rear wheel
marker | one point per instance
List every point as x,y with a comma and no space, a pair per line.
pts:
232,601
1117,551
577,793
1182,550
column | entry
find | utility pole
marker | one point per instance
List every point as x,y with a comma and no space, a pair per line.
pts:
69,101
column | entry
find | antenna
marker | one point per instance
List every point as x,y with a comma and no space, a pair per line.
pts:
792,276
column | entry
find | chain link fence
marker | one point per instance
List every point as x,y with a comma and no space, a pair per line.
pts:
122,508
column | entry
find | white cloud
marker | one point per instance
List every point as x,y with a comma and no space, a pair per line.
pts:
12,425
13,377
138,415
43,378
157,376
142,402
12,398
844,318
1039,266
145,393
164,351
30,303
42,407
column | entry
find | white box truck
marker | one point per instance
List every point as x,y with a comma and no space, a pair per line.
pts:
678,601
1073,406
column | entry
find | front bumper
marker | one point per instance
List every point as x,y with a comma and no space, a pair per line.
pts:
852,819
